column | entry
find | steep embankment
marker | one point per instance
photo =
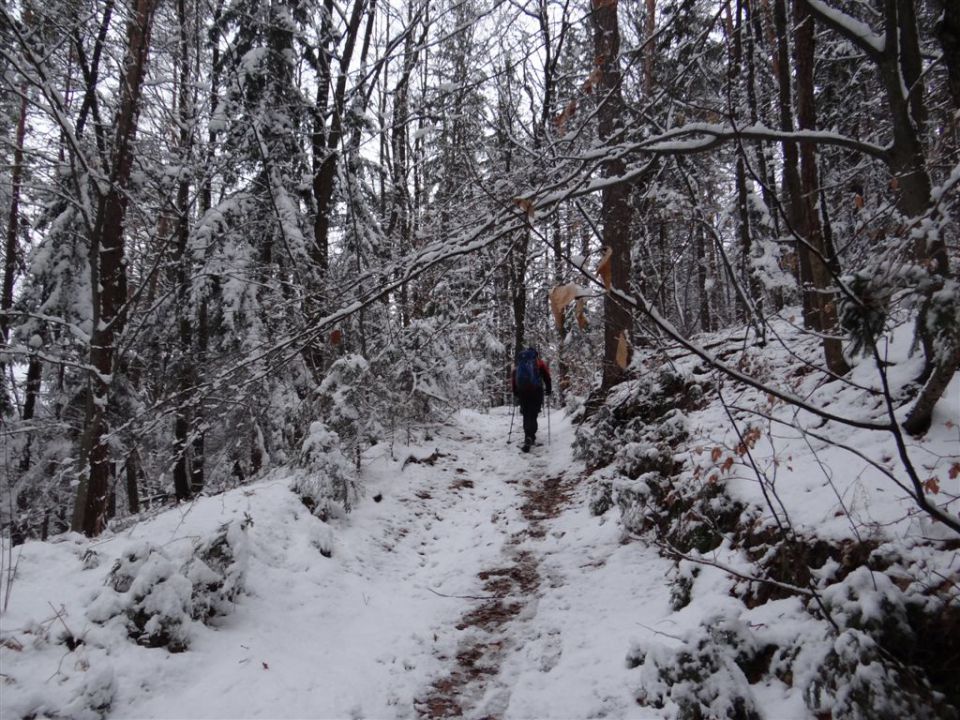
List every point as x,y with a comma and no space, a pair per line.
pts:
808,581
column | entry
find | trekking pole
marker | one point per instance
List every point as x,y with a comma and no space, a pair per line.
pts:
513,411
548,419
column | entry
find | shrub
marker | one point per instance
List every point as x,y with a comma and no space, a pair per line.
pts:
325,483
146,588
217,569
856,679
702,678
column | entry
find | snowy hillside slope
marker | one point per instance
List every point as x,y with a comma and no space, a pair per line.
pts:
375,629
804,565
631,568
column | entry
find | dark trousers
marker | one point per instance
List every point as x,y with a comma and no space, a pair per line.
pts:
530,407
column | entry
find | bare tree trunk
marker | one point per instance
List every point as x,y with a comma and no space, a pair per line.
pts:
206,184
32,389
754,25
11,247
12,244
948,33
745,59
800,181
399,224
183,421
649,54
823,300
617,211
326,141
791,161
205,192
563,371
130,468
109,283
700,250
518,288
90,69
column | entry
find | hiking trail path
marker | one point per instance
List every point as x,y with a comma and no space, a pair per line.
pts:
537,614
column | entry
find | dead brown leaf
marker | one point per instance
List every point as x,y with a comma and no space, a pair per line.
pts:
560,297
623,351
581,316
527,207
604,270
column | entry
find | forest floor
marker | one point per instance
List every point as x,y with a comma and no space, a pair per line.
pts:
470,581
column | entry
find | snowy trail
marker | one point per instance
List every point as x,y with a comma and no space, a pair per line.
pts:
479,586
546,640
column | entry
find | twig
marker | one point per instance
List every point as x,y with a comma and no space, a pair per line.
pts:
919,495
736,573
468,597
660,632
11,573
787,528
72,641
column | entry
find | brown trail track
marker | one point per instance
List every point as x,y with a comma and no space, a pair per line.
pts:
509,589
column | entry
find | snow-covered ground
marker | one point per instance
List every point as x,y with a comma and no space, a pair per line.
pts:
472,580
833,481
371,631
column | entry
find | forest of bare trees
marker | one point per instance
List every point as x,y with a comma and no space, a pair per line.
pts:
223,222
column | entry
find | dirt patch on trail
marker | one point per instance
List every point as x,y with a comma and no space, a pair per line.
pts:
430,459
507,591
544,502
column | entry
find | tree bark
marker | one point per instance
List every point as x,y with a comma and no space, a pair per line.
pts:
91,72
823,300
791,160
183,421
326,141
399,224
948,33
130,468
12,244
518,288
563,371
11,247
649,54
748,24
704,291
109,282
617,211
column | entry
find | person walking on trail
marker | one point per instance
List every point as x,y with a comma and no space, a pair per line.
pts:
531,381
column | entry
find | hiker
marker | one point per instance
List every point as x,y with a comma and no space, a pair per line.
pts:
530,381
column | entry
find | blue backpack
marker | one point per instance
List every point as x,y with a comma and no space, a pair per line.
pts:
528,375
